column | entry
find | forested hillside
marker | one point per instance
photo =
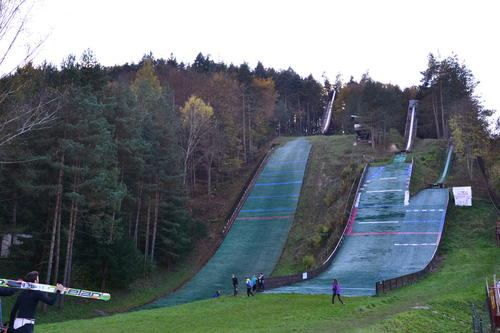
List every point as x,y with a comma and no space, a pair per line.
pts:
101,166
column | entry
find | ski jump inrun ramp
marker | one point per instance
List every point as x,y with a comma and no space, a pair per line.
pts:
258,235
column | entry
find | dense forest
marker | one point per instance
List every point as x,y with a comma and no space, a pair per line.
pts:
98,164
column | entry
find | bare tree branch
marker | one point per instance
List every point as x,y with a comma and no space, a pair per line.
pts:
19,119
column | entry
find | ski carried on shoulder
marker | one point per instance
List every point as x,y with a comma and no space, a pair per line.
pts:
52,289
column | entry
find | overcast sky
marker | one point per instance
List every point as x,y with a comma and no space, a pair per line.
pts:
390,39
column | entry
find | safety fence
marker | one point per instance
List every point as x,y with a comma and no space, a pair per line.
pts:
406,280
280,281
491,192
477,323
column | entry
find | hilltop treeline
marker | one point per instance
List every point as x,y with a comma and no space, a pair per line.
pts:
448,109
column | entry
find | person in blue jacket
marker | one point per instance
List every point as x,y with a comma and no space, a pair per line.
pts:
248,282
254,283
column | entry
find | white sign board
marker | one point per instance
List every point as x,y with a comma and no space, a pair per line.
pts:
304,276
463,196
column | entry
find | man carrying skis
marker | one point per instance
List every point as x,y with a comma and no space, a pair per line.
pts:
22,317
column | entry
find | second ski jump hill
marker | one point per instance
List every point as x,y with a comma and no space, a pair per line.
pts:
388,234
258,234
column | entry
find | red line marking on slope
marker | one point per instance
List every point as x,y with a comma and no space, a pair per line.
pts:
352,218
265,217
393,233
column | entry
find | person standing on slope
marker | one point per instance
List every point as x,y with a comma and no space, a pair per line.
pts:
248,282
22,316
260,280
336,291
254,283
235,285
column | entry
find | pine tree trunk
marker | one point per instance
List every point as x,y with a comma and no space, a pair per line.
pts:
250,148
443,122
68,244
193,169
112,227
104,272
68,250
186,164
14,222
71,233
129,220
148,218
138,216
244,131
435,111
209,173
55,219
58,248
155,219
372,134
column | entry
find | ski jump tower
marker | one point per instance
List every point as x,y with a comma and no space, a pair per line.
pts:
327,115
411,125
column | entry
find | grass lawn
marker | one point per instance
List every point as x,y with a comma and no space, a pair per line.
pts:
140,292
439,303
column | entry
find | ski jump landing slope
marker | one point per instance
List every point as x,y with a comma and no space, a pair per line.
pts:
258,235
387,237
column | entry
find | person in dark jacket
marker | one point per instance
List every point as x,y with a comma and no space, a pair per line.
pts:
235,285
22,316
260,281
7,291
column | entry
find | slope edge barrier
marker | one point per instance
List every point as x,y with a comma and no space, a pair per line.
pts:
493,197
